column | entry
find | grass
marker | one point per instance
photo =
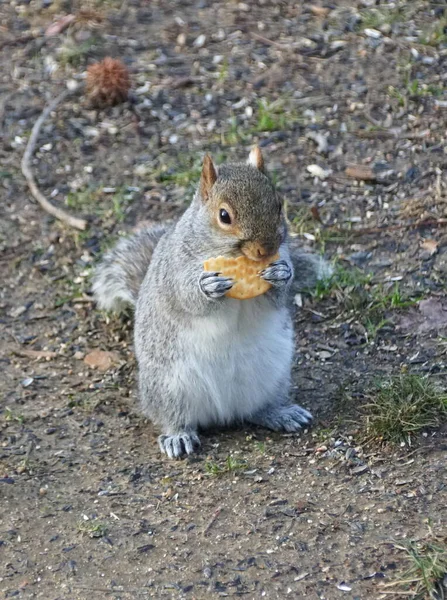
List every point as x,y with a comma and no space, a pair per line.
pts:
427,568
185,174
414,89
235,134
271,116
94,201
230,465
10,415
436,34
374,18
75,55
303,223
93,529
354,291
402,407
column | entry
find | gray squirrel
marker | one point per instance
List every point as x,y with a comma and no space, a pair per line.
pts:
205,359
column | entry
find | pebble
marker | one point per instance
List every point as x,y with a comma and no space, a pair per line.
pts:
200,41
181,39
318,171
16,312
373,33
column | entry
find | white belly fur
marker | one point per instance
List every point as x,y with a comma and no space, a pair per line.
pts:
234,362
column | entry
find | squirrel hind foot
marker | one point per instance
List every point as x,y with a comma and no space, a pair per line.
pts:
179,445
288,418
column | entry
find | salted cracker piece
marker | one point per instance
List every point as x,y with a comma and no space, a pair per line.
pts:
245,272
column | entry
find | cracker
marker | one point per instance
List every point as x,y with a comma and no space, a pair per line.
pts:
245,272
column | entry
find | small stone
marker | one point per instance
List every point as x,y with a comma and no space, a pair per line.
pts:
27,382
42,491
79,355
181,39
318,171
200,41
373,33
16,312
207,573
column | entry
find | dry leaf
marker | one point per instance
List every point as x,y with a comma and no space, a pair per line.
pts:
319,11
431,246
315,213
101,360
59,26
362,172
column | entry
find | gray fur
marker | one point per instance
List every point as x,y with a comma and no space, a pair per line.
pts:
206,359
118,279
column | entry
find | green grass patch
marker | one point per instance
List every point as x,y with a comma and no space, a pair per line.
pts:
436,34
374,18
355,292
12,416
229,466
94,201
184,173
74,55
426,570
93,529
402,407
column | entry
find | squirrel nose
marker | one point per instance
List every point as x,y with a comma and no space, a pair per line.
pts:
257,250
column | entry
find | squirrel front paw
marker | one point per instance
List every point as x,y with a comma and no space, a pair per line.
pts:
278,273
213,285
179,445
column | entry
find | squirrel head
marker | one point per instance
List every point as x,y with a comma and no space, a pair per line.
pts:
243,208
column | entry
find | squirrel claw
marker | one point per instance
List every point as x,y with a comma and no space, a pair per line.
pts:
278,273
179,445
213,285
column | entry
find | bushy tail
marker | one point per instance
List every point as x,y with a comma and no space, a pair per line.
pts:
119,275
309,268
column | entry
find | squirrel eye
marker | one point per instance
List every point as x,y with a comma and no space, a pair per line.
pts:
224,216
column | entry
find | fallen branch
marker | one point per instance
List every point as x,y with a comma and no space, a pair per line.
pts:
60,214
35,353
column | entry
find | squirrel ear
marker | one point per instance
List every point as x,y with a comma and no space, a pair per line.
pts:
255,159
208,177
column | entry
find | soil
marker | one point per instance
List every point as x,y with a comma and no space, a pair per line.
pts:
89,508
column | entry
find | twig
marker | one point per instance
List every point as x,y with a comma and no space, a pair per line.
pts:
212,521
35,353
28,174
24,39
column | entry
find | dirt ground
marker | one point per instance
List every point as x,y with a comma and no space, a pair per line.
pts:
88,506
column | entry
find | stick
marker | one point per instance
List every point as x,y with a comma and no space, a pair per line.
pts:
28,174
212,521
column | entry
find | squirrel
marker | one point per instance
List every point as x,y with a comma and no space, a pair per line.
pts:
205,359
